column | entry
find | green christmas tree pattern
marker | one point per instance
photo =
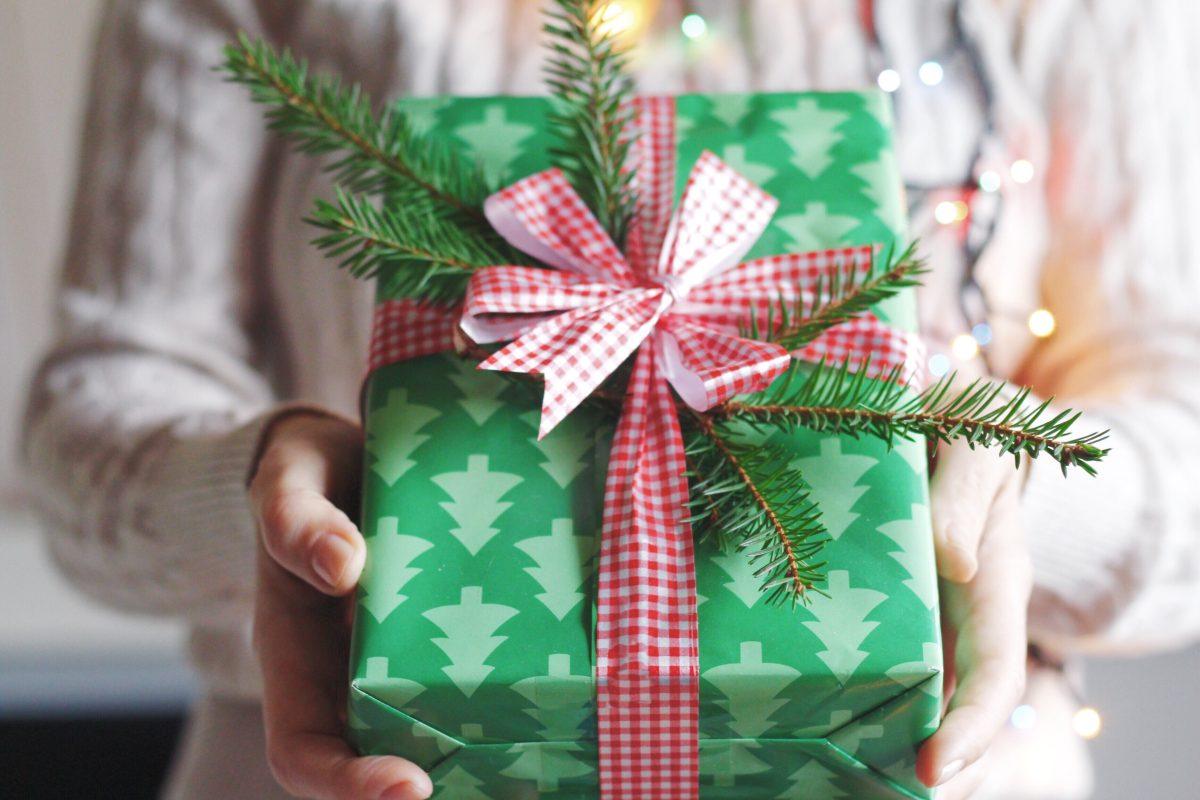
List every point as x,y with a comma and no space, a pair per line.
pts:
911,535
850,736
815,228
497,136
458,784
834,477
442,743
883,190
730,109
394,433
396,692
422,112
931,660
475,501
811,132
735,156
388,568
841,623
751,688
743,584
481,391
562,702
812,781
565,449
726,762
468,642
547,765
564,562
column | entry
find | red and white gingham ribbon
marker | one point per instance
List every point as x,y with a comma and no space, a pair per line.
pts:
677,299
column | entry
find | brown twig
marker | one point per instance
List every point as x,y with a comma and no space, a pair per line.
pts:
704,422
366,147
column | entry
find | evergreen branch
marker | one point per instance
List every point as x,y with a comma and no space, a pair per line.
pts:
375,154
836,400
586,72
844,295
750,491
414,254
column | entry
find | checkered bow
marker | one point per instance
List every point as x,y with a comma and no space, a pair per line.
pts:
576,324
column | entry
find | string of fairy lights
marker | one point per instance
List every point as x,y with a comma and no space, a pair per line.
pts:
971,207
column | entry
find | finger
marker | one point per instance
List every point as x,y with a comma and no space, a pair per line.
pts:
302,639
323,766
962,491
301,528
989,614
312,539
964,785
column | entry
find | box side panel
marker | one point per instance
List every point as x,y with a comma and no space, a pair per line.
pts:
887,739
475,610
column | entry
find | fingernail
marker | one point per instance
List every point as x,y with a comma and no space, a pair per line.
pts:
417,790
950,770
330,557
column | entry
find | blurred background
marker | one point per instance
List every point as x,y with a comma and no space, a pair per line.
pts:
86,693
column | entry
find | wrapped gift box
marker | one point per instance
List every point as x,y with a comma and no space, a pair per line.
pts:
473,642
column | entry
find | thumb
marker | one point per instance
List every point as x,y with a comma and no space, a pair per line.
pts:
312,539
301,528
962,490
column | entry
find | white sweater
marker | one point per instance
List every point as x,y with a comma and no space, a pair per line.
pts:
192,305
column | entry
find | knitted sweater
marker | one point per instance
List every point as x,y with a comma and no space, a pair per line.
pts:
192,305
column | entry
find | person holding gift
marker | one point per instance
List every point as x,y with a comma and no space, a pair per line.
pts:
179,345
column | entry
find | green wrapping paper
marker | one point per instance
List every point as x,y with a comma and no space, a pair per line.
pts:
472,650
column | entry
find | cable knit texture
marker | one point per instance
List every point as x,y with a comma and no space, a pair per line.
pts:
192,305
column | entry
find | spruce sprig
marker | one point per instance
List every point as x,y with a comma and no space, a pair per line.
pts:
984,413
745,497
586,72
845,293
378,154
413,253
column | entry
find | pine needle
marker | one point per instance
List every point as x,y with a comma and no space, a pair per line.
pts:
412,253
374,154
838,400
843,295
747,498
587,73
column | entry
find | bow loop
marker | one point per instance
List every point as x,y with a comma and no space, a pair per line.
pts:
504,302
755,290
544,216
720,217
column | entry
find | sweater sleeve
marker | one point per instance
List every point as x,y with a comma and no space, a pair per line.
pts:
1117,558
144,417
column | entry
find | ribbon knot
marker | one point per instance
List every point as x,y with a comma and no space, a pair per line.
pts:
673,286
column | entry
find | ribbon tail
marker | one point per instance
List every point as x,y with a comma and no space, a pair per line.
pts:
575,351
646,632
